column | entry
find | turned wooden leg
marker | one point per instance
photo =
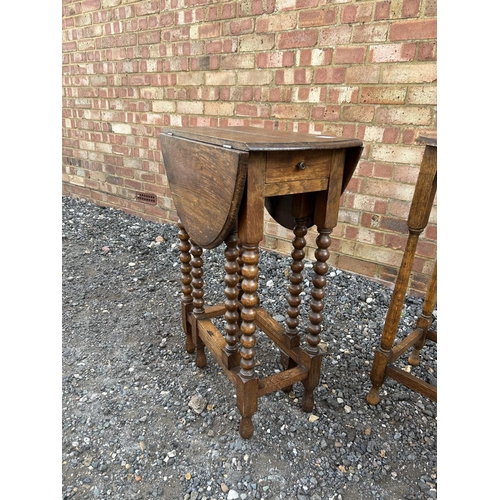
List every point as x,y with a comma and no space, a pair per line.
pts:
421,206
198,302
247,382
382,355
186,289
425,319
231,280
292,338
315,318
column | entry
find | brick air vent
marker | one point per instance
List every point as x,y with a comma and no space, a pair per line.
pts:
148,198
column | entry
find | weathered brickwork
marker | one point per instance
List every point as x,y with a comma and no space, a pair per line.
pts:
352,68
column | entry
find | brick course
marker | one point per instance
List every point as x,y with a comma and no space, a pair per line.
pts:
360,69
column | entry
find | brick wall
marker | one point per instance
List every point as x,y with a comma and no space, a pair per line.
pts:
364,69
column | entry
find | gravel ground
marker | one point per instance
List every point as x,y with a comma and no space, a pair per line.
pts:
130,429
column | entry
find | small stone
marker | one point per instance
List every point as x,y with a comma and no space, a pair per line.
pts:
198,404
347,409
224,488
232,495
313,418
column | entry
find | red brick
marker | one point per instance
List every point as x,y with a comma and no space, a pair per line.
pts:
275,59
297,39
90,5
396,225
357,13
410,8
430,8
362,74
209,30
349,55
246,109
358,113
413,30
382,10
330,75
427,51
282,21
290,111
370,33
395,241
68,46
228,11
305,4
241,26
321,17
147,7
330,113
150,37
430,232
390,136
336,35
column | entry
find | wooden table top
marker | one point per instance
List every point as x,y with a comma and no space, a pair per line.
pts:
260,139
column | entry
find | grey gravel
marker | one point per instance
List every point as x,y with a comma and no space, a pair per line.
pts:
141,421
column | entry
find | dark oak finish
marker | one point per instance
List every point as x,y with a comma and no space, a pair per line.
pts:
387,352
222,178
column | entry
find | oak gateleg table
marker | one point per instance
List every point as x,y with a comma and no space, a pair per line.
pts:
222,179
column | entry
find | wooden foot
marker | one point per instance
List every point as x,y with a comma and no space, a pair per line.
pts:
246,427
247,402
373,397
311,382
377,375
414,357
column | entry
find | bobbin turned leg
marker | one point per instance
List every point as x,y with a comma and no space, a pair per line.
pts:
198,303
315,318
425,319
247,382
292,338
232,314
186,289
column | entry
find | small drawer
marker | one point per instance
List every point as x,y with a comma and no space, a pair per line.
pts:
290,166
